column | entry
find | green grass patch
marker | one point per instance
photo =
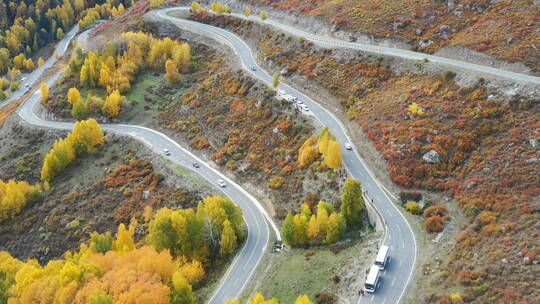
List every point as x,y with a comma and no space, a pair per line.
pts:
140,88
297,272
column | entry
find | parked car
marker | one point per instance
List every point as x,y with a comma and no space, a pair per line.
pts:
167,152
253,68
196,165
221,183
348,146
299,102
305,108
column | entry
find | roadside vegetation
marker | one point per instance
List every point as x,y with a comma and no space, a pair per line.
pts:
323,224
503,29
165,83
467,143
326,274
151,257
26,27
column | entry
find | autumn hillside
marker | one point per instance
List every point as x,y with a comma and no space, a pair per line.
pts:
504,29
483,150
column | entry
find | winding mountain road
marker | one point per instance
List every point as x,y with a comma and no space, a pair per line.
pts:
388,51
399,235
255,216
32,77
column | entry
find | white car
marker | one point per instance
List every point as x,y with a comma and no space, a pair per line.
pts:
299,102
167,152
27,85
221,183
348,146
305,108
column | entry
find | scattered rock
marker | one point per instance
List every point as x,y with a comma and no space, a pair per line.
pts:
425,43
471,185
419,32
531,160
526,260
398,25
533,142
504,261
432,157
146,194
445,28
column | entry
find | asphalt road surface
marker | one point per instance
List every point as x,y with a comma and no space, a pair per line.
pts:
256,218
388,51
399,235
31,78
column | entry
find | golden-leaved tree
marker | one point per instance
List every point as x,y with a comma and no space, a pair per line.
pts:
308,153
73,96
324,226
324,144
171,71
197,234
14,196
111,107
228,239
333,155
85,136
44,92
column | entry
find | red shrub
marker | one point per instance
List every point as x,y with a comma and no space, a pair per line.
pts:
434,224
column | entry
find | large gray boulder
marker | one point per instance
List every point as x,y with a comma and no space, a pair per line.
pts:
432,157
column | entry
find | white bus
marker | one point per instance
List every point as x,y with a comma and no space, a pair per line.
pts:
372,280
382,257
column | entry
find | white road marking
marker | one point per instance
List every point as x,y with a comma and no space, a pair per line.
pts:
393,281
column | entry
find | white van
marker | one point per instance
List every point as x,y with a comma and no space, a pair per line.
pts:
372,280
382,257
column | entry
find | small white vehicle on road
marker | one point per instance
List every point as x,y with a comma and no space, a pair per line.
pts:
221,183
348,146
305,108
167,152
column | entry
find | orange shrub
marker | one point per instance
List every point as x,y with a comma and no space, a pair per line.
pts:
434,224
276,182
